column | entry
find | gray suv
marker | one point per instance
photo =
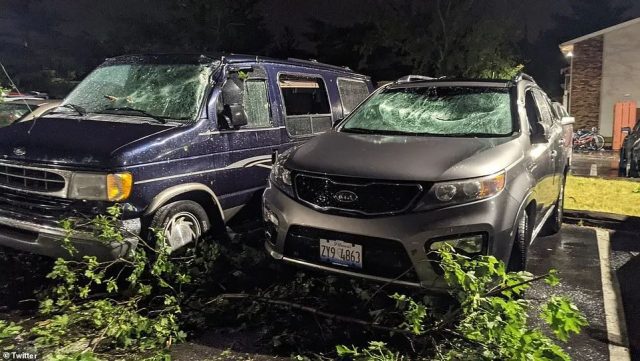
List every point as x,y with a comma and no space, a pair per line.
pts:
476,164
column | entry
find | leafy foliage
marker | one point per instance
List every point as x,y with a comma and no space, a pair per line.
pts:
86,306
490,321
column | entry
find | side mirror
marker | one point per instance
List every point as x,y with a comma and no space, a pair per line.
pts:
232,103
236,115
539,133
568,120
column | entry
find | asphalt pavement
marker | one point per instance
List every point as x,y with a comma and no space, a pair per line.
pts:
602,283
604,163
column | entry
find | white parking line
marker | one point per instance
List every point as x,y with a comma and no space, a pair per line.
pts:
594,170
613,309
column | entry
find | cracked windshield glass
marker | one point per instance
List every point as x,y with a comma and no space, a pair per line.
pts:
442,111
164,91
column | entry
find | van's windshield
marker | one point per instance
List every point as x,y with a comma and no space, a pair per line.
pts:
435,111
168,91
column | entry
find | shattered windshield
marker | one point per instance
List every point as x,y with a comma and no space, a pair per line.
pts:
167,91
10,112
437,111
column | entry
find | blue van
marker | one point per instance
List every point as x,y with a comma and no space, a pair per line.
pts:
183,142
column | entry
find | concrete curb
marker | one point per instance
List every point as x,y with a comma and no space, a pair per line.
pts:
603,220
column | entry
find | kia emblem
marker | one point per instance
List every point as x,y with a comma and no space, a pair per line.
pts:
345,196
19,151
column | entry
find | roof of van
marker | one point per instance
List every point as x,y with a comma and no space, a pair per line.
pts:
227,58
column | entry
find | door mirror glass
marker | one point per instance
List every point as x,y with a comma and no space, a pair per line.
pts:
236,114
568,120
233,112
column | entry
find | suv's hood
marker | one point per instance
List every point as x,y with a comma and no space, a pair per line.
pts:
410,158
70,141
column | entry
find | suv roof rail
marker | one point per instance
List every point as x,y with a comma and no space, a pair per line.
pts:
523,76
316,63
412,78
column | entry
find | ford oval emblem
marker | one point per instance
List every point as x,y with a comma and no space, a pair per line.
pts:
19,151
345,196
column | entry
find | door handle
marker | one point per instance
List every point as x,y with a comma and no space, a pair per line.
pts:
554,153
561,141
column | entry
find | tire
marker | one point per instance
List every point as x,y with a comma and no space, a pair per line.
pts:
519,252
554,222
598,142
622,166
184,223
632,167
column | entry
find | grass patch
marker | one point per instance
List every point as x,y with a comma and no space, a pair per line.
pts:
603,195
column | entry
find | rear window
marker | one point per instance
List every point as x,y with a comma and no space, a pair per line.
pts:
306,104
435,111
352,93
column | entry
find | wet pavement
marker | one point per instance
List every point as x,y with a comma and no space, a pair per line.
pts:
595,164
574,253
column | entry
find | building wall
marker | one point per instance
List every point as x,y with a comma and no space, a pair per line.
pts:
620,72
586,82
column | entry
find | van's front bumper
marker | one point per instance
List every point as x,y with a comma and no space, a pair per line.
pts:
410,232
21,233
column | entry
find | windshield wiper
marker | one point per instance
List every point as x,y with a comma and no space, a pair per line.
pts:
139,111
78,109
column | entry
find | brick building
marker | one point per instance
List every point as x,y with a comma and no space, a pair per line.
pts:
604,70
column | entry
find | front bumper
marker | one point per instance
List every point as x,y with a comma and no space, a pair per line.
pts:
45,239
494,217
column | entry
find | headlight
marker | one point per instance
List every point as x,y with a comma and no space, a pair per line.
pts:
280,175
105,187
464,191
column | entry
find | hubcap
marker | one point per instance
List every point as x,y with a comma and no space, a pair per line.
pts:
182,228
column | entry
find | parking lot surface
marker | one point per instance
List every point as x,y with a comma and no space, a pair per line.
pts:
574,253
595,164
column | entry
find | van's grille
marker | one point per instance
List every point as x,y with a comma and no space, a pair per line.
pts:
28,179
356,196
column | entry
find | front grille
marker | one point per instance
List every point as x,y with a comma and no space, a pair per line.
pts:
380,257
48,210
31,179
355,195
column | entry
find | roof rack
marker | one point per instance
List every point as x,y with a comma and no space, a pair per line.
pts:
316,63
523,76
412,78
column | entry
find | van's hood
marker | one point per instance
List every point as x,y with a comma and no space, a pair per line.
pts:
71,141
405,158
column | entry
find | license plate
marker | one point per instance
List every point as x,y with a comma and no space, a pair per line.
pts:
341,253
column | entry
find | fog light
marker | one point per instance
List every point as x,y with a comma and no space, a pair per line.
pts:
469,244
270,217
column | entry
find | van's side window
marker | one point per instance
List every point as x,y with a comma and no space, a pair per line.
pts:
256,103
352,92
306,104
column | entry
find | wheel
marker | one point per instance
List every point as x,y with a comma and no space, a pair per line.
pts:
622,166
632,167
518,259
183,223
554,222
598,142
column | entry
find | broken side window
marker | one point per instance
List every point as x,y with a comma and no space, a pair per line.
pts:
307,109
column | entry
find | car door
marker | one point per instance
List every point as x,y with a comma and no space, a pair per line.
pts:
248,162
539,157
556,136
